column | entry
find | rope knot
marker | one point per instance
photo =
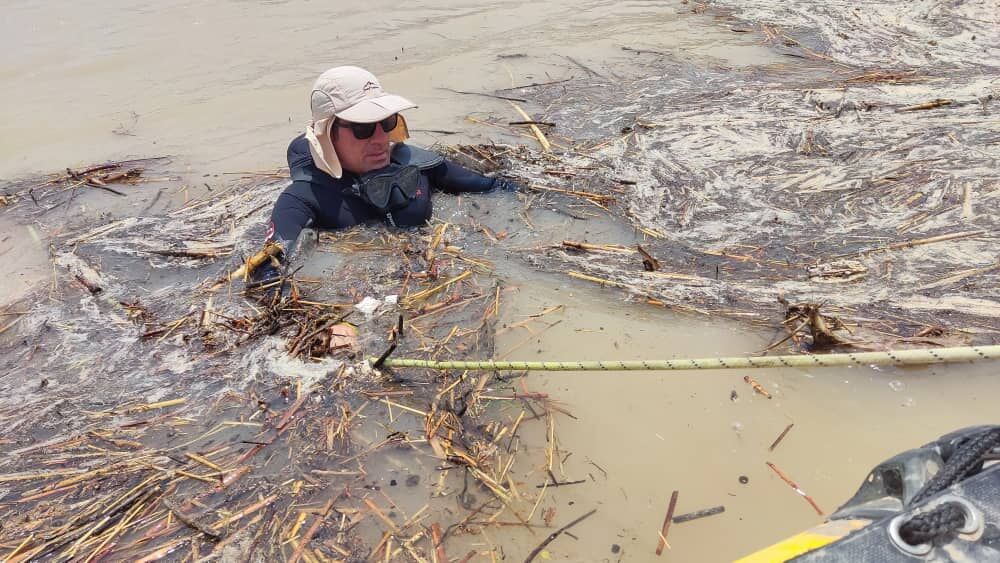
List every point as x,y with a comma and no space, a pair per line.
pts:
941,522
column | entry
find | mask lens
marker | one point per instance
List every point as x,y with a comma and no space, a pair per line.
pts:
407,180
378,189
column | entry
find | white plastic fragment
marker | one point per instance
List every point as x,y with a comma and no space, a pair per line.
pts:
368,305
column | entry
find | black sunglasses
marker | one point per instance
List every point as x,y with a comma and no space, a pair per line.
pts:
366,130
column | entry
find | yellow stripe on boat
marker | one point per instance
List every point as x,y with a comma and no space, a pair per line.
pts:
804,542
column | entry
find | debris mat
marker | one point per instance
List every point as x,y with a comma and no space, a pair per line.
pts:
154,410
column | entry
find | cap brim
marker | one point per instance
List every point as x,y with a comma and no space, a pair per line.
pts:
376,109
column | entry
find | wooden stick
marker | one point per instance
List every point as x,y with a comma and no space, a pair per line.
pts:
792,484
780,437
437,539
666,523
699,514
534,553
311,532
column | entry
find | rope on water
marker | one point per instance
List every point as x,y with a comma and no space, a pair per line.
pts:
889,357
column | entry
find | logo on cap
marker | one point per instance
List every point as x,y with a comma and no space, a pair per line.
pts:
370,85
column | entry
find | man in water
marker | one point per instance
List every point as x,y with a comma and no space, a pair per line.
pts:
352,166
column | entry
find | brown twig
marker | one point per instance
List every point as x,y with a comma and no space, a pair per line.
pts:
534,552
438,540
757,387
780,437
666,523
792,484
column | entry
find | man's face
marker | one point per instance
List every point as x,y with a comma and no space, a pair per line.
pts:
360,155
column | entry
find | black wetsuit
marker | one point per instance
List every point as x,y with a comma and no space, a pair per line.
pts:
317,200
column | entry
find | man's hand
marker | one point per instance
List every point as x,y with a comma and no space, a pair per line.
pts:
268,281
265,274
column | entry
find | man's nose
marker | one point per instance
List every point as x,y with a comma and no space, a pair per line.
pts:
380,136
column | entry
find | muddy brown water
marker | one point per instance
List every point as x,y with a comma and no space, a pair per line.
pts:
223,87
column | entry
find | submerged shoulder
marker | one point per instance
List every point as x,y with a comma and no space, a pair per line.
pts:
298,153
409,155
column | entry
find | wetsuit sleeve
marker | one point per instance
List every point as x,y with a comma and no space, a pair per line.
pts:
452,178
292,213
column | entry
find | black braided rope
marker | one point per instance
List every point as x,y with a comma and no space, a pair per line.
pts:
945,519
964,460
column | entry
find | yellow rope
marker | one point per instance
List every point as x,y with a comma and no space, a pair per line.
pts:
890,357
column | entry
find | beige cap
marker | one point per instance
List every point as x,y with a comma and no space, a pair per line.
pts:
353,94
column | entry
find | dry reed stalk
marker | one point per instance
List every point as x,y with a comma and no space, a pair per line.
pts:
912,243
381,515
959,276
115,531
594,197
598,247
10,556
404,407
245,512
7,326
533,336
43,475
165,550
408,546
414,298
173,326
534,129
940,102
154,406
307,537
602,281
203,478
